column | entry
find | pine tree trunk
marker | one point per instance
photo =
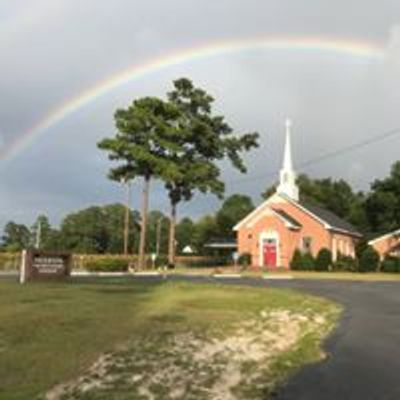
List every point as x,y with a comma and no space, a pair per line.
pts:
171,244
145,206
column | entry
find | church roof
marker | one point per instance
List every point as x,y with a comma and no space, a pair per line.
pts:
385,236
324,216
288,218
335,222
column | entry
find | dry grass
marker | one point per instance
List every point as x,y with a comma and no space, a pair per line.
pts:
201,367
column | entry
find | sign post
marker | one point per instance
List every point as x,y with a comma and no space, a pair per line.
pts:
22,274
39,265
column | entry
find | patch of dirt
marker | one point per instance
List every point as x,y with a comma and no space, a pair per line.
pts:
188,366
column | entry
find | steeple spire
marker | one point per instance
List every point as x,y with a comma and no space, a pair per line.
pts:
287,183
287,161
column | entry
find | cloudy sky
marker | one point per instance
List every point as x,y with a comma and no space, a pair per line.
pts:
52,51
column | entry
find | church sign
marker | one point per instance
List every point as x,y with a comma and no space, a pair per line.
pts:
41,265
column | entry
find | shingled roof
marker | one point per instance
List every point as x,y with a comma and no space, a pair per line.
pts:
330,218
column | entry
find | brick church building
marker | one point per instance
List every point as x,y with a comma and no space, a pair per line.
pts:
387,245
284,223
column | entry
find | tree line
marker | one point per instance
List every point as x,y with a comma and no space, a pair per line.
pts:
100,230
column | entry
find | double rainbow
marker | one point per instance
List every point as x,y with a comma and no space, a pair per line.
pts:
340,47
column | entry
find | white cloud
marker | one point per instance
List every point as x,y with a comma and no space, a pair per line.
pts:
393,46
20,17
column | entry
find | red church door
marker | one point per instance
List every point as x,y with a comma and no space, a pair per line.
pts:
269,252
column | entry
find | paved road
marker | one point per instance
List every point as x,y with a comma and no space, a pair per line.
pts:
364,361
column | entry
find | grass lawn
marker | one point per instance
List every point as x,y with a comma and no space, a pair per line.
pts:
123,340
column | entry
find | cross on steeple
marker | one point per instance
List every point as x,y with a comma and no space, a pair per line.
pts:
287,182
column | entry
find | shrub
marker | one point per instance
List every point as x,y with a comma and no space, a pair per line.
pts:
107,264
204,262
245,260
345,263
324,260
10,261
302,261
391,264
162,261
308,262
369,260
297,260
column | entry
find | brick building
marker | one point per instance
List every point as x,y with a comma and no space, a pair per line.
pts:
284,223
387,245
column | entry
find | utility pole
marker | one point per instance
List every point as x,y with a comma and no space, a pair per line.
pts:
158,243
127,185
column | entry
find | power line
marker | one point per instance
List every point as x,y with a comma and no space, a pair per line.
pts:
350,148
326,156
336,153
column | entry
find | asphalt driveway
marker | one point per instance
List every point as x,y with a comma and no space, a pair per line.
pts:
363,353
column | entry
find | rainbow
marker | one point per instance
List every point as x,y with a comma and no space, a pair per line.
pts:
341,47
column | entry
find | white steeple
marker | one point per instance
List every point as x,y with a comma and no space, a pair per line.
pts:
287,182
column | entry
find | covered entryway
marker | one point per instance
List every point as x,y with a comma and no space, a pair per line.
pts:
270,253
269,249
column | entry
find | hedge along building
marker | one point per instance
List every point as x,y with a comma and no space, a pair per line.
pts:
387,245
284,223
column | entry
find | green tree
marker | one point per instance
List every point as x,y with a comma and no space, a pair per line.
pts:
97,230
204,138
16,237
146,134
157,233
185,234
201,175
206,229
233,209
383,202
114,220
41,233
84,231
